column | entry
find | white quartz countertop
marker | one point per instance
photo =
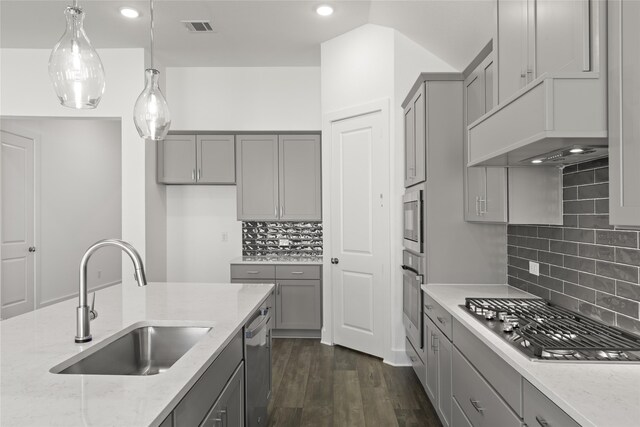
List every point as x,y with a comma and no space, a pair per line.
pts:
594,394
277,260
33,343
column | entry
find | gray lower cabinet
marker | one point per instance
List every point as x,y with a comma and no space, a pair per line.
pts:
479,402
438,350
219,392
229,408
279,177
624,128
298,304
539,410
196,159
298,294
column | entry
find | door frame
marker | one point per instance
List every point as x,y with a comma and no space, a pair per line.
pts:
37,138
382,106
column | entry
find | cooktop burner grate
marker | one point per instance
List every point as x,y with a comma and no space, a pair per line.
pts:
549,332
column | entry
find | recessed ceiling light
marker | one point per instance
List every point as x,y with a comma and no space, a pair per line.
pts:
536,161
576,150
324,10
129,12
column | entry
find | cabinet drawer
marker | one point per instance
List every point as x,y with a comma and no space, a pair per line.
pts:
438,315
196,404
540,411
458,418
416,362
479,402
497,372
253,271
297,272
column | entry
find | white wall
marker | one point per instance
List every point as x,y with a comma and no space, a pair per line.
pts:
27,92
249,98
80,201
232,99
363,65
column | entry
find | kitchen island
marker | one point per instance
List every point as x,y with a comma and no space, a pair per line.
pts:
33,343
593,394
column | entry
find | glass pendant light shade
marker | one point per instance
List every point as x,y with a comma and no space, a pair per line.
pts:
75,68
151,113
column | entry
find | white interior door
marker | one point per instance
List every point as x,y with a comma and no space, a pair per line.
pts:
360,230
17,234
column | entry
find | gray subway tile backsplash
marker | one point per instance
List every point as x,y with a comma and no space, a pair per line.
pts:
264,238
585,265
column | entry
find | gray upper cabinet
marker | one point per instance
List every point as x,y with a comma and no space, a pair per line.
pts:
541,36
215,159
257,174
177,159
279,177
624,127
196,159
485,187
512,47
299,178
415,125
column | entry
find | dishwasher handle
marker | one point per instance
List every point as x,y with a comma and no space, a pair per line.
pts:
266,317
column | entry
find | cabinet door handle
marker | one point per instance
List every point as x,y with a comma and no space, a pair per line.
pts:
193,174
477,206
253,272
428,307
476,405
542,421
198,175
281,211
297,272
275,211
586,36
278,288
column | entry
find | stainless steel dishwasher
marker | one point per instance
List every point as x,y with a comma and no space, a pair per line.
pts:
257,342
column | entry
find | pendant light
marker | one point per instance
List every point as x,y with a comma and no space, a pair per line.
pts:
75,68
151,112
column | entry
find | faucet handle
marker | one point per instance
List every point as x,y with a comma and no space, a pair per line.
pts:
93,314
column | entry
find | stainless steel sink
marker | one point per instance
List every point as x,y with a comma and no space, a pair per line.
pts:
147,350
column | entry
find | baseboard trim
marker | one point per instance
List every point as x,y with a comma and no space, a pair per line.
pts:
397,358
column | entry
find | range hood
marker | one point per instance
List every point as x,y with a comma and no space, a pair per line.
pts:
558,121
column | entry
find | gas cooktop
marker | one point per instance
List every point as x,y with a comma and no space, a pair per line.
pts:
547,332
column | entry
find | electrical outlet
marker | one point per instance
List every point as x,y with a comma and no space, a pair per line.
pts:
283,242
225,236
534,268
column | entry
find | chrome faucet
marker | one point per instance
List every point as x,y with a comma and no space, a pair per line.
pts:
84,313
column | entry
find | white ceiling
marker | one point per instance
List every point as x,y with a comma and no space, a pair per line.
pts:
253,33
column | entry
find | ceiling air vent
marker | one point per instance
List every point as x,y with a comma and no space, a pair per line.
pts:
198,26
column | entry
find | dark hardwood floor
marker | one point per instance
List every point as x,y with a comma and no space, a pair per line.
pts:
319,385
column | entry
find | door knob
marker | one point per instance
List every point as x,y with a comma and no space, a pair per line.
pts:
32,248
334,260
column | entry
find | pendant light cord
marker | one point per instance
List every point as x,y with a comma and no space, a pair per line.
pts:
151,10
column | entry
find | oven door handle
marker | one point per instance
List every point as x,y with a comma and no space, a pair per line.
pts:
406,267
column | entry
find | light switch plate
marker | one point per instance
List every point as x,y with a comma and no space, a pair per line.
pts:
534,268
